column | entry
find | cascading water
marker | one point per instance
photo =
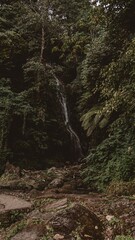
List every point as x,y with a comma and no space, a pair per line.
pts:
62,99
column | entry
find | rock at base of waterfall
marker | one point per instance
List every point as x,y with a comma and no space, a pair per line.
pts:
77,220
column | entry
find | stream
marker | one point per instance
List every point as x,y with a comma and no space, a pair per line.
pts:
63,101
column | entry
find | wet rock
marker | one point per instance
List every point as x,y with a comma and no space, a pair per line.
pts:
56,183
58,237
77,219
15,185
58,205
65,220
67,188
12,209
11,202
41,217
30,233
52,170
26,236
26,182
33,229
41,185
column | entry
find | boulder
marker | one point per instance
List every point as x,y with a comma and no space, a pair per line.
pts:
56,183
24,235
11,209
57,205
77,220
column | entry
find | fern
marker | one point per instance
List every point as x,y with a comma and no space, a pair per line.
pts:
92,119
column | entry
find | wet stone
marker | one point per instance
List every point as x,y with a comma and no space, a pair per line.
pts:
77,219
58,205
9,206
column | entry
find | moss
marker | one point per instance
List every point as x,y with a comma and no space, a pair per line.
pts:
121,188
122,237
15,229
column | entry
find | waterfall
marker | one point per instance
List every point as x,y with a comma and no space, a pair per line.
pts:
62,99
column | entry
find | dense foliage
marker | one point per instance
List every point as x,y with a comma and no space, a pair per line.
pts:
90,47
108,72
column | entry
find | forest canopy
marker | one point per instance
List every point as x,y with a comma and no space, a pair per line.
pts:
81,53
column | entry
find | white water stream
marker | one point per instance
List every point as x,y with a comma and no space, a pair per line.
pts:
62,99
